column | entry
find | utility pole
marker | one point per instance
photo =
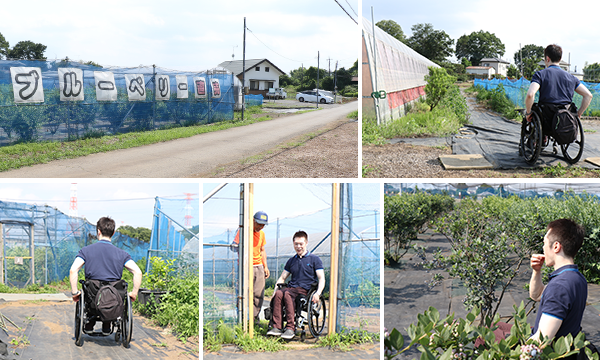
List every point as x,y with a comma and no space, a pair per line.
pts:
335,83
329,72
318,70
244,72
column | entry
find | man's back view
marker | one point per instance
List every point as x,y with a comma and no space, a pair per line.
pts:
104,262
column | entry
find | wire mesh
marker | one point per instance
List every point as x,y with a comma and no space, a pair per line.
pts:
104,102
253,100
516,91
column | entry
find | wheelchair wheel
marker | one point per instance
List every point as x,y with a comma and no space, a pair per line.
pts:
127,324
316,316
531,139
78,325
573,151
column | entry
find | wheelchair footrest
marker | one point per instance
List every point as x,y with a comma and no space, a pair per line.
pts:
97,333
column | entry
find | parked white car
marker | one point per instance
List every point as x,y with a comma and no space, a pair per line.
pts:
311,96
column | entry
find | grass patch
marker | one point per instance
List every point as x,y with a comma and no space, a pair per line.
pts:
496,100
353,115
224,334
27,154
342,341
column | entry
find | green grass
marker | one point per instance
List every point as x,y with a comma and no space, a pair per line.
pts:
27,154
353,115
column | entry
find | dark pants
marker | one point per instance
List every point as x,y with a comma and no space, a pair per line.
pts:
286,297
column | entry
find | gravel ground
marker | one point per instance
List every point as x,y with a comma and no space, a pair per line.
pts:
331,152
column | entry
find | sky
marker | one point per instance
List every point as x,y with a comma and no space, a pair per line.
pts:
129,203
187,35
513,22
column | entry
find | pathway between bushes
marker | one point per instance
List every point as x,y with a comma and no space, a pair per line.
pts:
406,294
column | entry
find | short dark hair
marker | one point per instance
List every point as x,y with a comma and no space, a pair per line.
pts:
300,233
554,52
106,226
568,233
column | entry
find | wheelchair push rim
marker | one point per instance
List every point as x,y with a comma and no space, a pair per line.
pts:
317,314
127,324
79,320
573,151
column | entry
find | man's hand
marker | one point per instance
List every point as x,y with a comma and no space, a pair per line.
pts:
537,262
267,273
529,117
76,297
132,295
316,297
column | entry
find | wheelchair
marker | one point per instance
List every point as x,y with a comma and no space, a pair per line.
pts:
532,139
307,313
122,327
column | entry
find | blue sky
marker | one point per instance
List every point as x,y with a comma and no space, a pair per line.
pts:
186,35
128,203
512,21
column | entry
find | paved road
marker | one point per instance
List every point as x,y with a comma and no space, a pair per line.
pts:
199,154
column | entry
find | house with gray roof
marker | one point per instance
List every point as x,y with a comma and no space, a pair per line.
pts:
500,66
261,74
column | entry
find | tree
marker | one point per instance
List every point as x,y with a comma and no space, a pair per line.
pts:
391,27
4,46
435,45
512,71
140,233
438,83
591,72
27,50
479,45
531,55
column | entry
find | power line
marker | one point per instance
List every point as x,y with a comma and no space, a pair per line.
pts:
300,61
79,200
351,8
350,16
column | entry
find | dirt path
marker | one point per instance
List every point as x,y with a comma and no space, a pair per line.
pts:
199,154
48,327
299,351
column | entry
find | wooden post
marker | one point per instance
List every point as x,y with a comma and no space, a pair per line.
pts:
31,253
250,220
333,281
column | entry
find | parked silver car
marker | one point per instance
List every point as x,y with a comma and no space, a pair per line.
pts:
311,96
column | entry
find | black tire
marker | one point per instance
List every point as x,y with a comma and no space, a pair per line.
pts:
531,139
301,99
78,325
323,101
573,151
127,324
317,313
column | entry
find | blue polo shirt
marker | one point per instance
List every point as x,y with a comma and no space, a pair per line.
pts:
103,261
556,85
303,270
564,298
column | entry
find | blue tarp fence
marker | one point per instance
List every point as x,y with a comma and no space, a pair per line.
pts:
516,90
65,100
253,100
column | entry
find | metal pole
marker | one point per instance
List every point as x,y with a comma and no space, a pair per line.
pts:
244,72
213,192
2,252
241,280
277,252
375,66
32,253
335,83
154,100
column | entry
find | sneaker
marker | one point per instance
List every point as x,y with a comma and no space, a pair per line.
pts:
288,334
274,332
106,329
88,328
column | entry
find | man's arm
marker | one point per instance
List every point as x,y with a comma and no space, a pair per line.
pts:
321,277
74,275
284,275
530,98
587,98
548,326
137,278
264,261
536,286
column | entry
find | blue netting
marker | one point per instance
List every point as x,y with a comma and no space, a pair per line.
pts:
56,120
516,90
253,100
57,239
175,232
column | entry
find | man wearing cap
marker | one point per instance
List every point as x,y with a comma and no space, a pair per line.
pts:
259,259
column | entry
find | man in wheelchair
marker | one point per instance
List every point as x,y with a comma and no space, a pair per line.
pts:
104,264
556,88
305,269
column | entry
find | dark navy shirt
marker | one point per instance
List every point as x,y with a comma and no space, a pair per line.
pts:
564,298
103,261
556,85
303,270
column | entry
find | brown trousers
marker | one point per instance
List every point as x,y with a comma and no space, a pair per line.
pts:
259,288
285,297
